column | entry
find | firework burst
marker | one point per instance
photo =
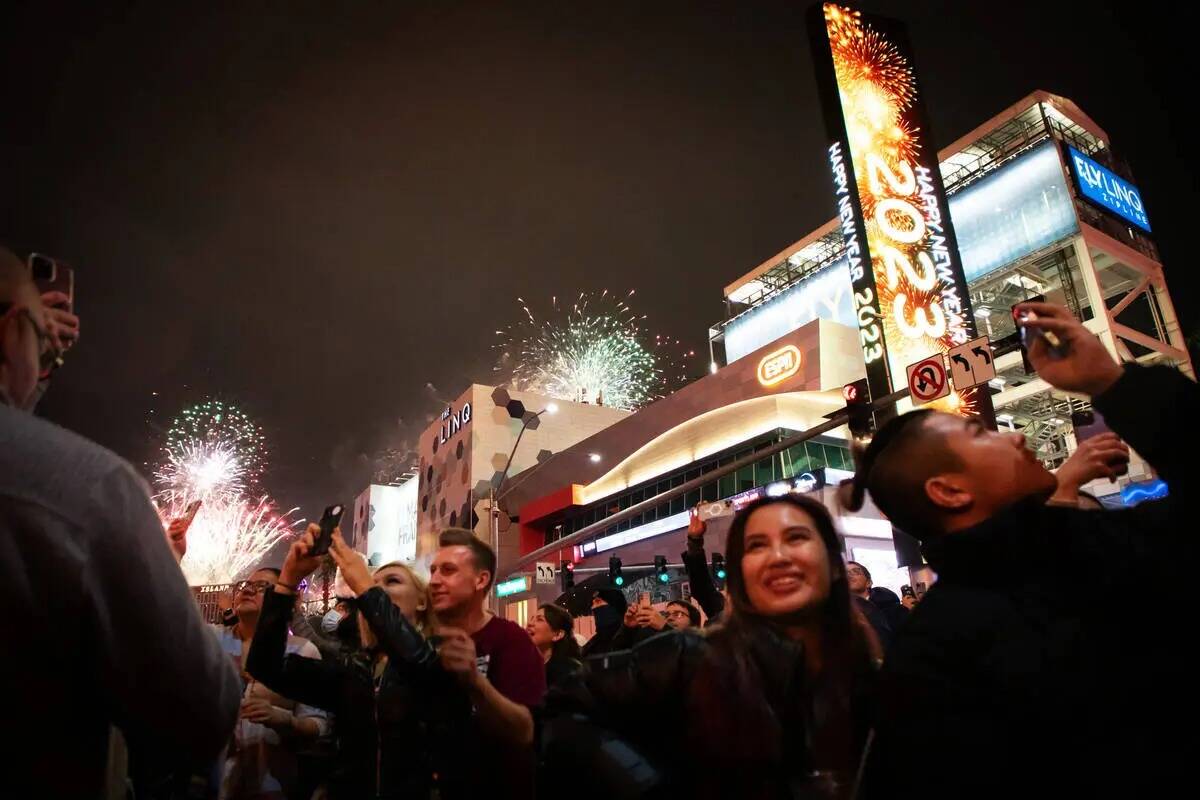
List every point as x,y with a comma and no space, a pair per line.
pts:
201,470
214,428
595,349
230,536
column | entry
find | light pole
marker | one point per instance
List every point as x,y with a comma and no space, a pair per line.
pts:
529,419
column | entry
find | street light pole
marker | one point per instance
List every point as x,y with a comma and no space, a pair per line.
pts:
494,495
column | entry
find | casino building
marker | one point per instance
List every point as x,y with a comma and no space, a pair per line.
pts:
1042,206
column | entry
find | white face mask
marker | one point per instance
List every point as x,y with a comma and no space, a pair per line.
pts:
330,621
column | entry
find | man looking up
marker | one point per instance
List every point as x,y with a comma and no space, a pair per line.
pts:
1011,676
495,662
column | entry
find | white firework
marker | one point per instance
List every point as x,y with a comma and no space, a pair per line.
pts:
230,536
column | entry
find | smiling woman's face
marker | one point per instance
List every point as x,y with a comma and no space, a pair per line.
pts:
785,566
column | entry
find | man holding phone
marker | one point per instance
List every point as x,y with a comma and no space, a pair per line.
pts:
84,560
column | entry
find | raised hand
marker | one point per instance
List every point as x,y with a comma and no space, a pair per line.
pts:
1085,367
351,563
299,564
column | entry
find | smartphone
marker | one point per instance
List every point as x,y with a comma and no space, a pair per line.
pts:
52,275
907,591
644,599
190,512
720,508
1054,345
329,520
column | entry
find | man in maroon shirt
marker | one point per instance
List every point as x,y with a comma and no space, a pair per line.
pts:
494,659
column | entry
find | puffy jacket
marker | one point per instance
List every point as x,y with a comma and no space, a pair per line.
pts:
388,722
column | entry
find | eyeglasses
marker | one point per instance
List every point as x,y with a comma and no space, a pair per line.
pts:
253,586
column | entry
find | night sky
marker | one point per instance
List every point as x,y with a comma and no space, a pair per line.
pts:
316,209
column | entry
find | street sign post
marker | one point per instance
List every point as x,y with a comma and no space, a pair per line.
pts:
971,363
927,380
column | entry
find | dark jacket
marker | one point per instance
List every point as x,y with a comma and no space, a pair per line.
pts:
876,619
666,717
1049,656
704,588
388,725
889,605
110,632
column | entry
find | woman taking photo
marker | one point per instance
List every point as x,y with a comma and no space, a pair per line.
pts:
553,633
774,703
383,696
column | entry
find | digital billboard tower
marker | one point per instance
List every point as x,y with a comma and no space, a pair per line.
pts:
910,294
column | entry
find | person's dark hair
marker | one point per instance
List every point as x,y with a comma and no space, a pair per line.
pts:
481,553
866,572
692,612
894,467
273,570
752,658
559,619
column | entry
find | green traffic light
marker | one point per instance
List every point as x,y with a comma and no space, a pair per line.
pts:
619,581
664,577
721,574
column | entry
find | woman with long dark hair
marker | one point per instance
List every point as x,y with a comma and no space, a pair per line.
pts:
553,633
775,702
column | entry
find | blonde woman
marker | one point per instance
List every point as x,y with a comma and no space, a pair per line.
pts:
381,696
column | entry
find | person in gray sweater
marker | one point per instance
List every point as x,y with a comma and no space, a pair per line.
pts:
109,632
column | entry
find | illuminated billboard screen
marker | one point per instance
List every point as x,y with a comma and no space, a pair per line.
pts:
1019,209
824,295
1108,190
910,294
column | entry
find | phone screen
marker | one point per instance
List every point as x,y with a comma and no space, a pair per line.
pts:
329,520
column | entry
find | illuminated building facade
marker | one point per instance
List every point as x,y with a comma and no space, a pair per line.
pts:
1042,206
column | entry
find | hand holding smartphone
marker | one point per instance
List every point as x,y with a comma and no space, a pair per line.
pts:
329,521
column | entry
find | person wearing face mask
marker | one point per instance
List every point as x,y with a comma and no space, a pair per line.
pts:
608,609
334,633
384,696
118,637
775,702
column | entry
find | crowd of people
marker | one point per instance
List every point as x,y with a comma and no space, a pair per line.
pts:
1025,669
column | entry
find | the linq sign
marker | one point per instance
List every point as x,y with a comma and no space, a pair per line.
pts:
1106,189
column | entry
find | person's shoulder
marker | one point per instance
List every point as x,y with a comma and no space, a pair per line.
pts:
499,629
46,464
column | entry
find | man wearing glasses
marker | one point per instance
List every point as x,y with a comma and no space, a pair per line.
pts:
84,561
261,760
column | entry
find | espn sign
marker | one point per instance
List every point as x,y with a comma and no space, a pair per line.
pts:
778,366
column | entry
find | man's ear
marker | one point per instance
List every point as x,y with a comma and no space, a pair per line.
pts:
949,491
482,579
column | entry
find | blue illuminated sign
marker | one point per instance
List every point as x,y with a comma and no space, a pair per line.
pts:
1135,493
1108,190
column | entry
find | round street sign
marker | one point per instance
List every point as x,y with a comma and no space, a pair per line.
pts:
927,380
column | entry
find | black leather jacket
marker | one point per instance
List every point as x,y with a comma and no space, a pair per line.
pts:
389,725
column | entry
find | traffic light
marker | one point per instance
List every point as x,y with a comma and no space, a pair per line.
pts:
858,408
660,568
614,572
718,567
566,574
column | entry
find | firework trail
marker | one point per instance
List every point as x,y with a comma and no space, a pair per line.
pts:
230,536
595,349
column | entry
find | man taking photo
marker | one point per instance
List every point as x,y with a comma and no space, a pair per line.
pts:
1014,676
